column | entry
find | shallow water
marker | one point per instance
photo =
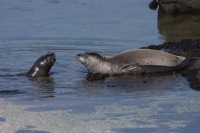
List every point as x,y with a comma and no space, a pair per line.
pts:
69,103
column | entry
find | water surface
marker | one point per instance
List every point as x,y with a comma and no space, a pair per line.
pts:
69,103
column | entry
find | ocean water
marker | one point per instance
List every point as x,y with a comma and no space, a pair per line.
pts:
67,103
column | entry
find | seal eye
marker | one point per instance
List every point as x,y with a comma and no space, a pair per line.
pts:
81,57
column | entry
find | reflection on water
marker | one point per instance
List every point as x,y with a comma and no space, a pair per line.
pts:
179,27
137,86
44,88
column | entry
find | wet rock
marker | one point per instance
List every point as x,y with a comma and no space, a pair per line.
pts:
192,73
96,76
179,6
187,47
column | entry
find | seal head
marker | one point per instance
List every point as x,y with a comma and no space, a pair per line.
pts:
95,62
42,66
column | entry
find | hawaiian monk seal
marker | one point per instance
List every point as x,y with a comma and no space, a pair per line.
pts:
136,61
42,66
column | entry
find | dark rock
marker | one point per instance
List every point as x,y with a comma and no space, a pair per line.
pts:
187,47
179,6
192,73
96,76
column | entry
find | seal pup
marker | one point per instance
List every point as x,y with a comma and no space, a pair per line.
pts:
42,65
136,61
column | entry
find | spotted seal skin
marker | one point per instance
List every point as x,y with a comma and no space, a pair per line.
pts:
42,66
136,61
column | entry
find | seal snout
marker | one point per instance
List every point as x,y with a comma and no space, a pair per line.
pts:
80,57
51,57
51,53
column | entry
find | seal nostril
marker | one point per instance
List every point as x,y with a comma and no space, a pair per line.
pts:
77,56
51,53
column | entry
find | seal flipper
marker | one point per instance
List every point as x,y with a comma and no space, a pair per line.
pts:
133,68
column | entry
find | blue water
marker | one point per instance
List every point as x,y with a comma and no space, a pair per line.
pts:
69,103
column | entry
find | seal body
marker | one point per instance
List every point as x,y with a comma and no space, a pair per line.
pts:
42,66
136,61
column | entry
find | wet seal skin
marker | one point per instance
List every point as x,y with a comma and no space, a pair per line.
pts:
42,66
136,61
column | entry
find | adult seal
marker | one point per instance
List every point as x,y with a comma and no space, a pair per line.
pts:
136,61
42,66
